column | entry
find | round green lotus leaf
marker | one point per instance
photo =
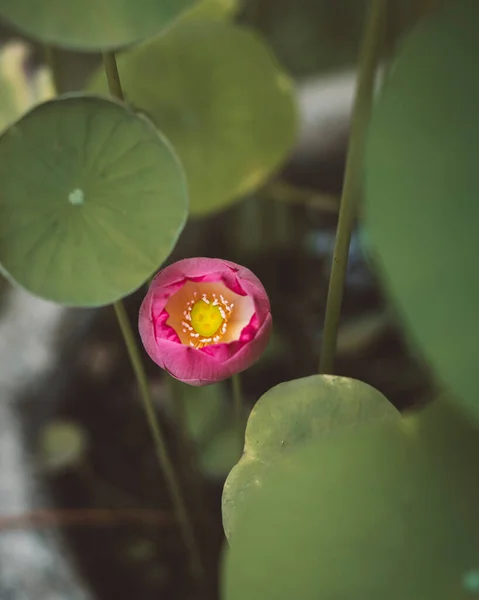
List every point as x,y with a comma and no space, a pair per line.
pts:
290,415
422,188
91,25
384,511
92,200
219,95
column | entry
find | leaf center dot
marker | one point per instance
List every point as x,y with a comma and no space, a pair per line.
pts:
76,197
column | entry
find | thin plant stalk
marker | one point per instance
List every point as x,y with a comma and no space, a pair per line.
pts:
161,449
369,57
112,75
172,483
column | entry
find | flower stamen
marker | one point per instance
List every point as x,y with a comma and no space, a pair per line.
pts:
206,319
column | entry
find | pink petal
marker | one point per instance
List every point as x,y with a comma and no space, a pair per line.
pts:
248,353
239,279
223,352
188,364
200,268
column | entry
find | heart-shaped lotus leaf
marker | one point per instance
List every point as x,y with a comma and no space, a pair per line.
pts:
92,200
220,97
422,189
385,511
91,25
290,415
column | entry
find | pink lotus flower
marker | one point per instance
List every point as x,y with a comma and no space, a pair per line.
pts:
205,319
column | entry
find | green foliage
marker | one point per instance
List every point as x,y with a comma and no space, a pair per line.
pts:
324,35
386,511
213,9
211,426
115,23
422,189
336,496
290,415
63,444
93,200
221,98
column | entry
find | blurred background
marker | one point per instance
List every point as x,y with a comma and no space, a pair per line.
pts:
83,511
